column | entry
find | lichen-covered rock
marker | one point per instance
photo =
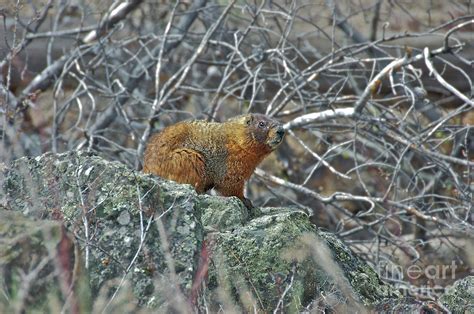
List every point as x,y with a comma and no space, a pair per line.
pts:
162,239
361,277
129,225
40,268
459,298
279,260
222,213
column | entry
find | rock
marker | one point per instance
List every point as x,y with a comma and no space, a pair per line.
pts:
166,242
459,298
279,260
130,226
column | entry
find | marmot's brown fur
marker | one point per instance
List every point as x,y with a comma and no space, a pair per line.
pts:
213,155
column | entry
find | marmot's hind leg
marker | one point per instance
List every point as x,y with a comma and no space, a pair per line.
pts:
182,165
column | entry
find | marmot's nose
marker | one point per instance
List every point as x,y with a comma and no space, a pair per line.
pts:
280,131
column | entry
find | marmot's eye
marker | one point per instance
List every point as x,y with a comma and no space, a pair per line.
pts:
261,124
248,121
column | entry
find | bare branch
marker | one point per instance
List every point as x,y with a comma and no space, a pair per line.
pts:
115,15
441,80
181,30
319,116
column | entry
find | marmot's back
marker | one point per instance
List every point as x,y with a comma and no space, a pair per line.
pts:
213,155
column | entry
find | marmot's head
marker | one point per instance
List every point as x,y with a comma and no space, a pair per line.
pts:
262,129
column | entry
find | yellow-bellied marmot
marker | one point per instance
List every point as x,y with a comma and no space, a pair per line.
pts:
213,155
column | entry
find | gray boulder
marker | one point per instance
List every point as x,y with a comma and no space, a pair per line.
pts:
172,249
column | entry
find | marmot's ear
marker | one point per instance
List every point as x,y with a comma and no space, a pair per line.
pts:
245,119
240,119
